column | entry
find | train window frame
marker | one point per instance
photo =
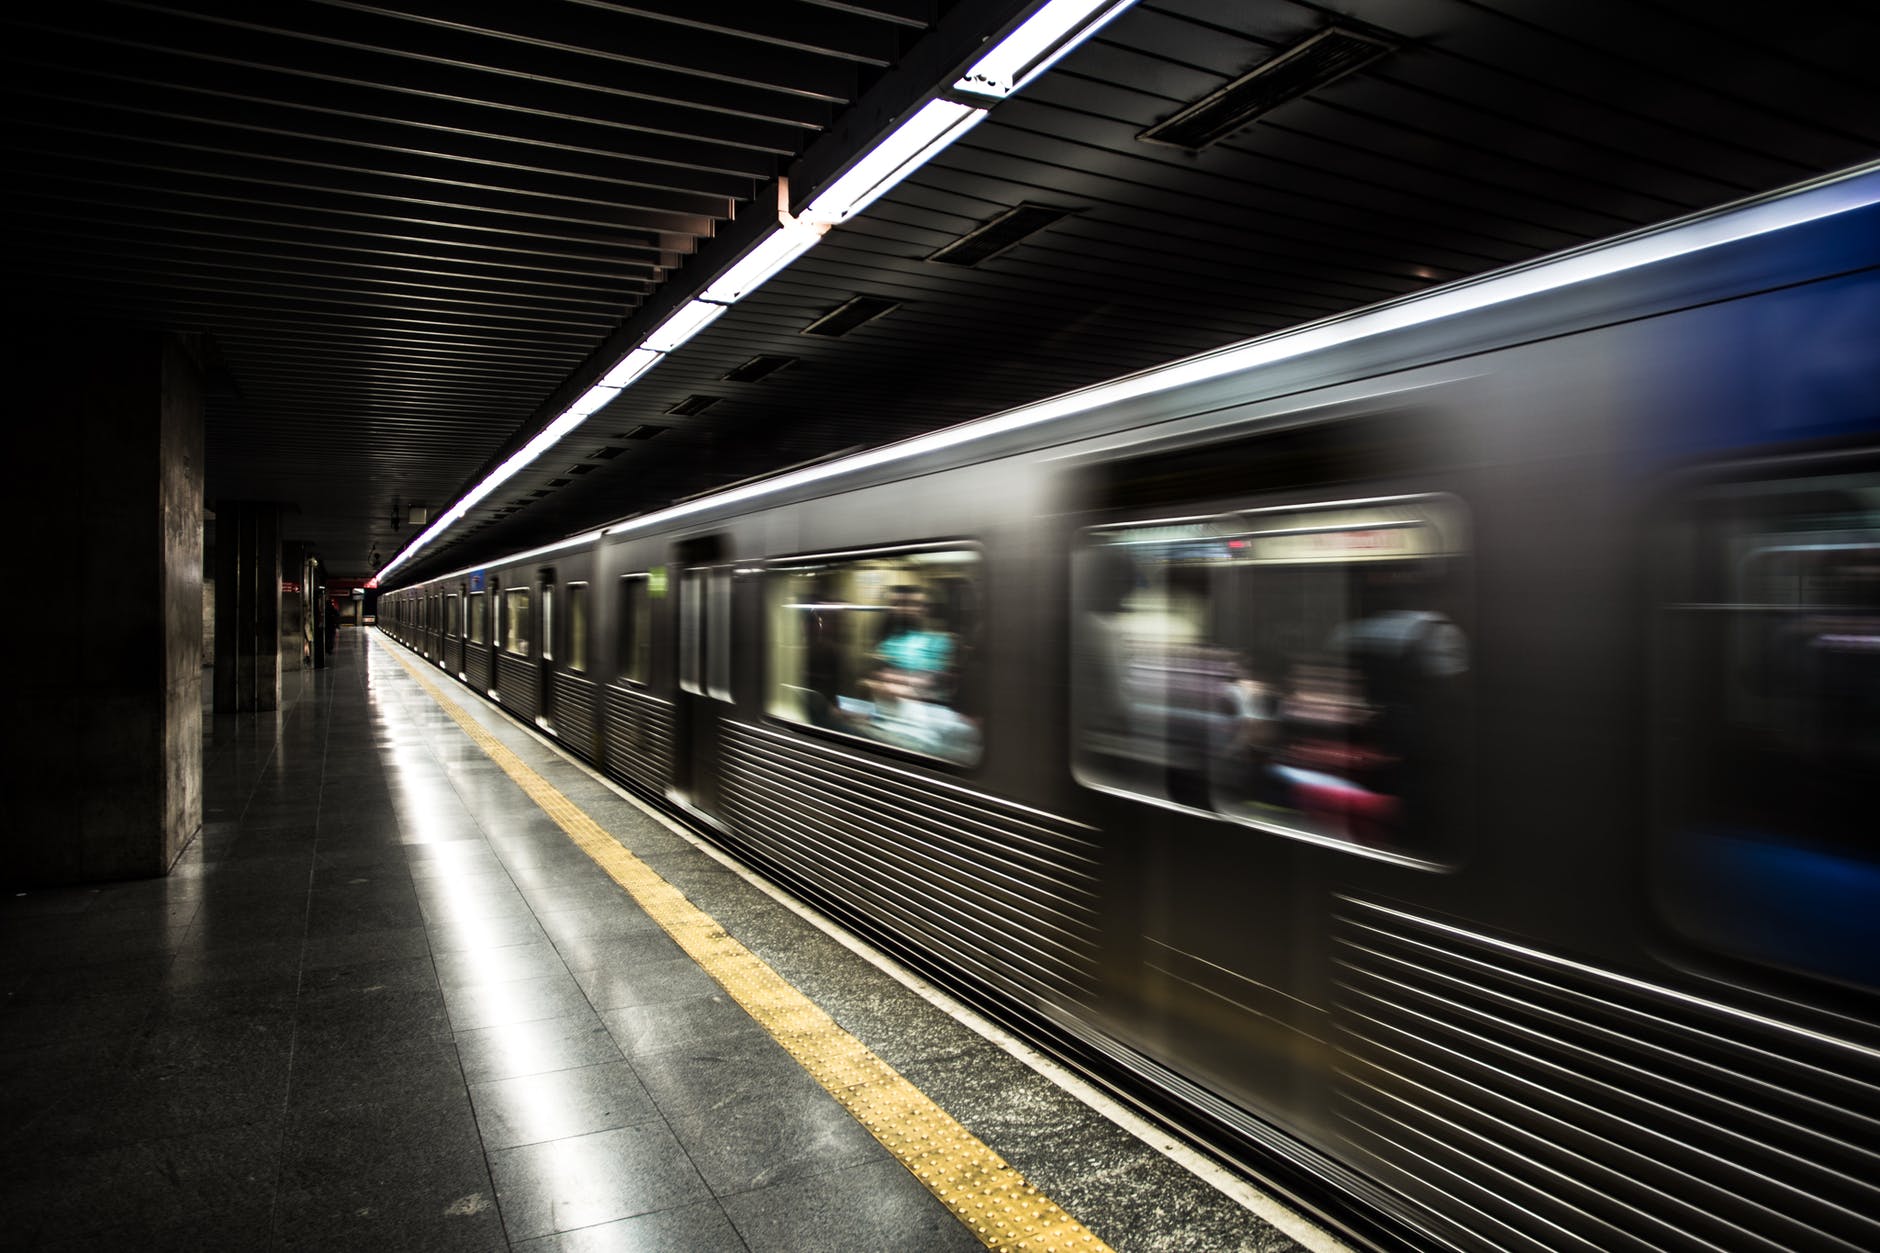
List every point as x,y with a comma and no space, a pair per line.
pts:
453,615
692,625
479,618
719,642
577,614
974,677
1672,562
634,638
546,590
512,596
1448,851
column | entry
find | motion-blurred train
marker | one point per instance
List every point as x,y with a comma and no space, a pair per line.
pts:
1433,752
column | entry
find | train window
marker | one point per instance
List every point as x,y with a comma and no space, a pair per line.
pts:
479,617
1771,653
1301,669
718,629
516,620
691,629
577,626
882,646
548,622
636,628
452,614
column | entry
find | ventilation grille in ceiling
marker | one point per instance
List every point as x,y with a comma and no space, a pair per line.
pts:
1321,59
640,432
759,368
841,321
693,404
607,453
997,235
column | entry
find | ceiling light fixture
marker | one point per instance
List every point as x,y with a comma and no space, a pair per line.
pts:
688,320
1025,52
913,143
1036,44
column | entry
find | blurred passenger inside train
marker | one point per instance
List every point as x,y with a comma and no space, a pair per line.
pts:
912,690
1300,668
879,647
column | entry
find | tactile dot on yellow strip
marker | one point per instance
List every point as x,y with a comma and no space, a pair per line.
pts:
991,1198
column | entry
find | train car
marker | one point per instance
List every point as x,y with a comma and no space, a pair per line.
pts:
1432,750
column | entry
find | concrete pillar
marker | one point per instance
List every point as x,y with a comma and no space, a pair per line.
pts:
105,700
247,606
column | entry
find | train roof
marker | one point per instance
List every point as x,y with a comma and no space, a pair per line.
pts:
1812,201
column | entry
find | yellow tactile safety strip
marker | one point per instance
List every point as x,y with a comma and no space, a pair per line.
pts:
986,1194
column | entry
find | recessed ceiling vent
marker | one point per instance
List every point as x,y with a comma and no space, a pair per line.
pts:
640,432
997,235
694,404
1320,59
606,453
582,469
841,321
759,368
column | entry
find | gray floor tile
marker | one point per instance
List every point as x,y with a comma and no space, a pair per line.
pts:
532,1048
365,946
474,1006
156,1183
452,907
463,935
470,1224
759,1143
657,982
640,1029
498,965
582,1181
879,1207
559,1104
706,1078
335,1078
412,1158
596,922
591,952
688,1229
395,976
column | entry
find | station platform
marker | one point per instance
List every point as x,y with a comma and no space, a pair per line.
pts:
425,983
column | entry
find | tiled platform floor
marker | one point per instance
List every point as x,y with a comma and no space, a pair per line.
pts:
383,1003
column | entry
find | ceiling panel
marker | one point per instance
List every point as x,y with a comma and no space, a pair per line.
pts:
411,227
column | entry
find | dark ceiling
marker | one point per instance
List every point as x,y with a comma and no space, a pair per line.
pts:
415,229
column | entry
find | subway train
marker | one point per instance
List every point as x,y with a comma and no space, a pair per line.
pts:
1429,754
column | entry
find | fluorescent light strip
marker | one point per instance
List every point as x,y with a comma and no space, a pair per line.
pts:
591,400
1027,51
762,263
630,367
1037,44
915,142
688,320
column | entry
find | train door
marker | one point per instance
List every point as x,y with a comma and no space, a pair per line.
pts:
1269,700
452,659
545,582
704,656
